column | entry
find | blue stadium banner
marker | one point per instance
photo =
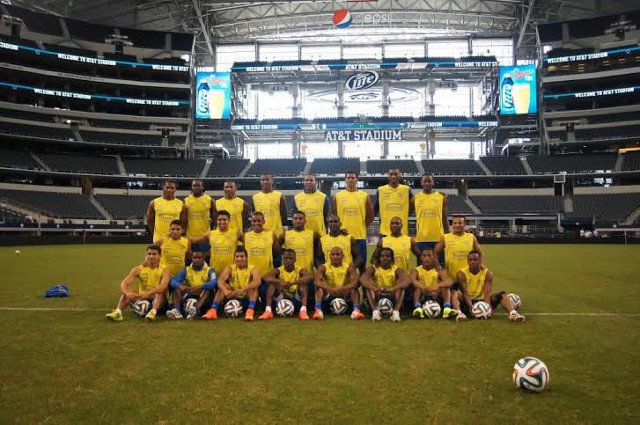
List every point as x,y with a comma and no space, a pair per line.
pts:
213,95
518,90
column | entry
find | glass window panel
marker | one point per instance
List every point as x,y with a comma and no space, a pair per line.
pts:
320,52
226,55
405,150
452,102
447,49
274,105
501,48
271,52
404,50
362,52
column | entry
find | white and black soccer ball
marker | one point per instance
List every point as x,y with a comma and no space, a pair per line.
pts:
233,308
530,374
515,300
385,305
338,306
141,307
285,308
431,309
190,306
481,310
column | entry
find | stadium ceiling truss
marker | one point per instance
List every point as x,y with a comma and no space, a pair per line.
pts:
235,21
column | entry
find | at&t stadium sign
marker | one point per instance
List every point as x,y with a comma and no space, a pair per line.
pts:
376,135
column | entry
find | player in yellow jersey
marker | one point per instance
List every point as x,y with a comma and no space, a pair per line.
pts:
355,209
456,246
387,280
165,209
475,283
271,204
235,206
431,214
336,278
392,200
288,281
314,204
260,244
176,249
303,241
153,280
197,280
200,210
222,242
238,281
431,282
336,238
402,245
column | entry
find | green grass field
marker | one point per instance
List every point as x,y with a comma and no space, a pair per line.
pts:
70,365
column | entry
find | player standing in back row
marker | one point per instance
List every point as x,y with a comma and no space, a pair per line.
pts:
393,200
165,209
271,204
355,210
200,209
314,204
431,214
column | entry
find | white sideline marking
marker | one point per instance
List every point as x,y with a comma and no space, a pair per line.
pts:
497,314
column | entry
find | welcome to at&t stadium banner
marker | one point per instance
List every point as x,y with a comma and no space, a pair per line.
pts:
363,135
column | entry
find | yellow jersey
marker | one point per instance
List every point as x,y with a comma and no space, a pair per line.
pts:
336,277
475,282
198,215
240,278
174,254
149,278
429,216
259,246
385,278
352,211
456,250
234,207
166,212
291,276
195,277
302,244
223,248
393,202
328,242
427,277
401,247
313,207
269,205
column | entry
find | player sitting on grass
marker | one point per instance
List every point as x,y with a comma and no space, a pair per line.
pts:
176,249
336,278
153,280
384,279
239,281
289,281
430,281
195,280
475,284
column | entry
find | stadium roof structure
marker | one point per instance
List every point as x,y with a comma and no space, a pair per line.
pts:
232,21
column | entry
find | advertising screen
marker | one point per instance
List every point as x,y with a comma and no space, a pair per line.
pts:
518,93
213,95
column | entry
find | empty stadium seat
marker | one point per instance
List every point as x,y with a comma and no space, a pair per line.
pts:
227,167
521,204
81,163
382,166
53,204
125,207
335,166
504,164
452,167
572,162
631,161
18,159
608,207
164,167
281,167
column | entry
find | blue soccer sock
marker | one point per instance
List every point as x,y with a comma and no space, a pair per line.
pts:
215,305
447,305
356,306
252,305
417,305
318,306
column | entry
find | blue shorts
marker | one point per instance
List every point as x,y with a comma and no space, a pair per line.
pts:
209,286
430,245
362,247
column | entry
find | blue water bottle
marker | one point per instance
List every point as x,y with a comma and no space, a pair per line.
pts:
203,98
507,92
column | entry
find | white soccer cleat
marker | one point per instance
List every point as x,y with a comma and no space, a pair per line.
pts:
516,317
395,316
174,314
461,317
376,315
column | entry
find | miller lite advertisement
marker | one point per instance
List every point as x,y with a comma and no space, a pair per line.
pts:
518,94
362,80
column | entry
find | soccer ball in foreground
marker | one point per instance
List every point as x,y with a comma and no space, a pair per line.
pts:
385,306
233,308
190,306
530,374
141,307
481,310
431,309
338,306
515,300
285,308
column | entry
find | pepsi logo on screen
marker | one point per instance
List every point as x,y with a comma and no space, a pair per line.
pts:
341,18
362,80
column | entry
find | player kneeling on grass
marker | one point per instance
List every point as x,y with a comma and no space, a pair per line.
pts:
334,279
431,282
197,280
289,282
475,284
384,280
239,281
153,281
